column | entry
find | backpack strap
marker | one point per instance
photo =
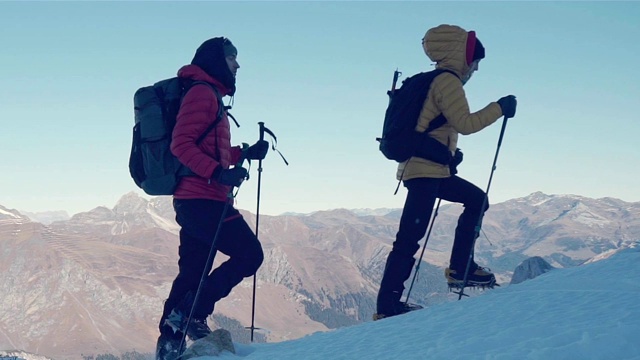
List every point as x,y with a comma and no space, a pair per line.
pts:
436,123
221,109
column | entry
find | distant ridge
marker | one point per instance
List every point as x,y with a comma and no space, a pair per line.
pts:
321,270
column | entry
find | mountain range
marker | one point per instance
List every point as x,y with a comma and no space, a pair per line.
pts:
95,283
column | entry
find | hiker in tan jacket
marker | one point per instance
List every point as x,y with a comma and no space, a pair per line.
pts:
459,51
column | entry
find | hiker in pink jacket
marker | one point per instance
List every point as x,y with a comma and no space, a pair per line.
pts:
200,200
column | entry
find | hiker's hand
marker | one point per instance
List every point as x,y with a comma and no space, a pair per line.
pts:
257,151
230,177
455,161
508,105
457,157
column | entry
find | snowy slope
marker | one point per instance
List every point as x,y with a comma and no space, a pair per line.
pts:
586,312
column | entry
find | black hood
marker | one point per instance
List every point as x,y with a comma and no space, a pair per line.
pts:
210,58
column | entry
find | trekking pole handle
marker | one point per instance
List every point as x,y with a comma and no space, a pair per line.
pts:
261,124
243,148
396,74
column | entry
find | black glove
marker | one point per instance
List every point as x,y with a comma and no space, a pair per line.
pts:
508,105
257,151
455,161
231,177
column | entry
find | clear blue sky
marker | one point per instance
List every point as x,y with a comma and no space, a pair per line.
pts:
317,74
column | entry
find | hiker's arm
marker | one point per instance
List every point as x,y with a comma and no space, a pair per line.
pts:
193,119
236,154
452,101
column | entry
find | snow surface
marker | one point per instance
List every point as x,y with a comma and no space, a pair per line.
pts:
9,214
585,312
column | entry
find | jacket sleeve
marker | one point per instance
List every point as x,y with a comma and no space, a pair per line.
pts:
236,154
452,101
198,109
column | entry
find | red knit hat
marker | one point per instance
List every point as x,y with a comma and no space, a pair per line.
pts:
475,50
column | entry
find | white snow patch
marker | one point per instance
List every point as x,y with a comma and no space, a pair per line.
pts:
585,216
9,214
163,223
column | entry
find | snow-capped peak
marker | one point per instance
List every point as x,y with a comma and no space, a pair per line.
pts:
130,203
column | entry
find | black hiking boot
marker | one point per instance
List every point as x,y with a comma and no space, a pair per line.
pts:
398,309
198,329
478,277
168,347
176,320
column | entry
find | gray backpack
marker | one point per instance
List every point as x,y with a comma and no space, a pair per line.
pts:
152,166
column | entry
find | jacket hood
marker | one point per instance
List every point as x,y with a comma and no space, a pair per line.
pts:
211,57
194,72
448,45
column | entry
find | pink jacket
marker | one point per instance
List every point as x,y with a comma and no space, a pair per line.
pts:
197,111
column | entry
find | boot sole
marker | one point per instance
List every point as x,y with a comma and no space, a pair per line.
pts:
456,284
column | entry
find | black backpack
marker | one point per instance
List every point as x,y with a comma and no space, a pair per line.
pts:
152,165
400,141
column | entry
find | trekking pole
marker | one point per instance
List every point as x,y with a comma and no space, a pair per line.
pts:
253,302
484,204
263,130
208,265
424,247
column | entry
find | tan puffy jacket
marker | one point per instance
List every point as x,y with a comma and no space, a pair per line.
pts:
446,45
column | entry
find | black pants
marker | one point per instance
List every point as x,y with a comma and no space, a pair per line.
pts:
199,221
421,197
